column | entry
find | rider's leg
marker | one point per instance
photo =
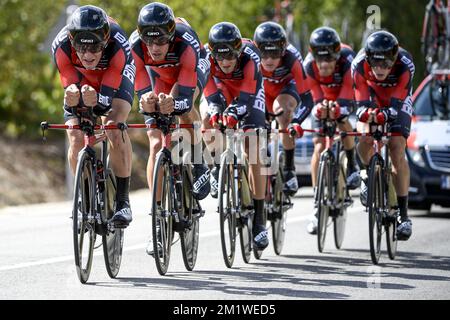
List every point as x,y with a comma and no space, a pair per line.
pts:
76,143
121,158
365,144
257,182
319,146
365,152
287,103
201,185
353,179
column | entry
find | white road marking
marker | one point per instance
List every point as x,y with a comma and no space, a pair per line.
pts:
100,253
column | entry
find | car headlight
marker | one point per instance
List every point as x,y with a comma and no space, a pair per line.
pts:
416,157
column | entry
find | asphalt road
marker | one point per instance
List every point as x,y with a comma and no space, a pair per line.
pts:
36,260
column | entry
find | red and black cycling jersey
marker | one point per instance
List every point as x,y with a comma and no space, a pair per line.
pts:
115,63
336,87
179,66
244,84
395,91
289,69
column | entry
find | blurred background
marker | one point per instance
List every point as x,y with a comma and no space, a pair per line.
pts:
30,92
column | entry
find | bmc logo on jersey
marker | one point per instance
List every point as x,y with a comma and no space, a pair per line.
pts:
130,71
409,63
407,106
104,100
124,42
260,100
204,65
189,38
252,54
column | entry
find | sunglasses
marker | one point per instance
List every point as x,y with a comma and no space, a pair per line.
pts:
92,48
274,54
159,41
384,64
229,55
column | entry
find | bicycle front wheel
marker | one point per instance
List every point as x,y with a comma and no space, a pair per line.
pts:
162,219
323,199
375,203
226,212
191,214
112,240
83,216
340,217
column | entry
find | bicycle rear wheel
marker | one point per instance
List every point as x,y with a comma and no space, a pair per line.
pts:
323,199
162,219
112,240
257,252
244,221
191,213
375,203
227,206
340,216
391,236
83,216
278,198
245,236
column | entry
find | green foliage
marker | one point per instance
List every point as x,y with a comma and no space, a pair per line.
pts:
29,84
27,90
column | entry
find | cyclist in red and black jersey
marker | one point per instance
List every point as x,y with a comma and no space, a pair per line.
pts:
285,88
171,71
382,75
328,67
235,90
96,68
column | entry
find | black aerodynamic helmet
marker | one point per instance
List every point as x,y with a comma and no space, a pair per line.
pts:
381,49
270,38
89,28
156,20
225,41
325,44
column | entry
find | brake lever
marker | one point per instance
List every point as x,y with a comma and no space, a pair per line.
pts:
122,127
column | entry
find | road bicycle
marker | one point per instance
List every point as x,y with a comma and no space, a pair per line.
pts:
332,196
174,209
381,196
94,194
235,204
277,202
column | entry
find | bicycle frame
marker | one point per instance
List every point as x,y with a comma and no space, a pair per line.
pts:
90,141
378,132
166,125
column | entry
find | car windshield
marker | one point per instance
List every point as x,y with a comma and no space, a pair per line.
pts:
434,100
